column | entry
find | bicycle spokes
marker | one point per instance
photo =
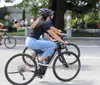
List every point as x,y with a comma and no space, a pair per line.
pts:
17,72
10,42
63,70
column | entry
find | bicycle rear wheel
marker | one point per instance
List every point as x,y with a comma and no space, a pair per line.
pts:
30,52
72,48
66,72
10,42
17,72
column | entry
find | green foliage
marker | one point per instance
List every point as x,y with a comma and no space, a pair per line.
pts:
9,25
18,33
2,21
36,5
73,23
8,0
84,34
92,17
78,7
33,5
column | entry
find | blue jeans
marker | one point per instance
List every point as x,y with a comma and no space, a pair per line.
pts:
43,38
49,46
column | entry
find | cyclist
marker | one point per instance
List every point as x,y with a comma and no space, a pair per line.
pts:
38,28
46,36
1,28
49,21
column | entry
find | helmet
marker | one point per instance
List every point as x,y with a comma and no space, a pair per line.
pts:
45,11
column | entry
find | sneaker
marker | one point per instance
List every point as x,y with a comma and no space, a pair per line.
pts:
39,75
41,71
42,62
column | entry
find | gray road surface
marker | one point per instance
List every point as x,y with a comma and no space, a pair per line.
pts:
89,74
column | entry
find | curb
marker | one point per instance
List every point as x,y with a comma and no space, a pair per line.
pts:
70,38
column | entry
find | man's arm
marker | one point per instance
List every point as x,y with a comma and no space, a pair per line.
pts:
48,37
56,30
55,36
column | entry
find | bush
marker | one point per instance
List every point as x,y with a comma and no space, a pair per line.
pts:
84,34
18,33
11,29
73,23
2,21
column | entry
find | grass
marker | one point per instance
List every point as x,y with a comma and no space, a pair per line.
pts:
74,34
18,33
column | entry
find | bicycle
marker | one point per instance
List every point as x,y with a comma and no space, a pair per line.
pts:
69,47
36,69
9,42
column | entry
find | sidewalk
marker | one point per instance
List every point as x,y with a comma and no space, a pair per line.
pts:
76,40
85,40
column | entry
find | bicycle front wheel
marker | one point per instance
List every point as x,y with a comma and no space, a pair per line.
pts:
64,71
10,42
17,72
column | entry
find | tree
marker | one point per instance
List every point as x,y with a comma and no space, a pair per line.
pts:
76,6
60,7
31,5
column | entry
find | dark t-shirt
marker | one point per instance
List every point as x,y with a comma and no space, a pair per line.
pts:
39,30
50,24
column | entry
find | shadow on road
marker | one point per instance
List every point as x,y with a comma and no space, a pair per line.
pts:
77,82
86,67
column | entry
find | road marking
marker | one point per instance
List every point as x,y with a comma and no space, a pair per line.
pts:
91,57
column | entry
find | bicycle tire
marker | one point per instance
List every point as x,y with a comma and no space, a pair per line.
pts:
76,72
10,42
78,52
7,65
24,60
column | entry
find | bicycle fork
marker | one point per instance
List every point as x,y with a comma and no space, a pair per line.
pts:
63,60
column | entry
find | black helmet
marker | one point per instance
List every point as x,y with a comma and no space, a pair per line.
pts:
45,12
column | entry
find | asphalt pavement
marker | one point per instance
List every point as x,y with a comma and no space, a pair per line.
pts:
89,74
90,60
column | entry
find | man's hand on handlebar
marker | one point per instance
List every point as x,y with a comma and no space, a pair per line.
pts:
65,43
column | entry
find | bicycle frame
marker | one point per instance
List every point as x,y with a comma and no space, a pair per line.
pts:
51,59
54,55
4,34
